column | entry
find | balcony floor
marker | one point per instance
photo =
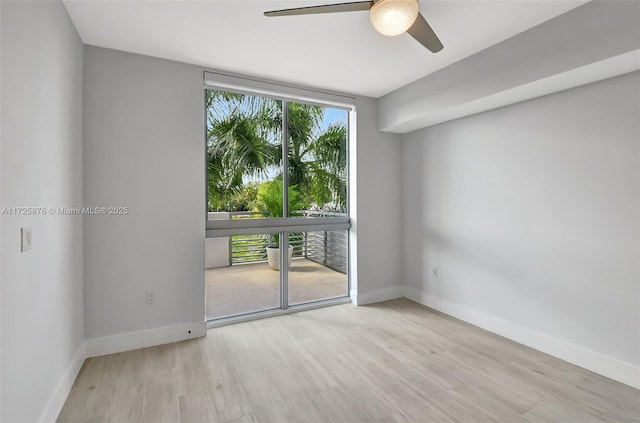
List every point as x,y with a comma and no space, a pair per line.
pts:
246,288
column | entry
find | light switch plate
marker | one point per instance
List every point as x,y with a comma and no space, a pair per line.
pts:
25,239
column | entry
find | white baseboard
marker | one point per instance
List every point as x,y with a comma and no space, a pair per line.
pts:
376,296
598,363
57,400
145,338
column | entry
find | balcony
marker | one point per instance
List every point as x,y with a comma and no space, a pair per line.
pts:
246,288
240,281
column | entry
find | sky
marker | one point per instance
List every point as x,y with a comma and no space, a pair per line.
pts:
333,115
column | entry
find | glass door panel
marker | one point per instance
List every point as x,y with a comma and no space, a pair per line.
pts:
239,278
319,266
248,182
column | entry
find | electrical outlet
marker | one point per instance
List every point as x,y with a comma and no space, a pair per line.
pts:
435,272
151,297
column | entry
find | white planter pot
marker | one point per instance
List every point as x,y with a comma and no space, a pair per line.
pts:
273,256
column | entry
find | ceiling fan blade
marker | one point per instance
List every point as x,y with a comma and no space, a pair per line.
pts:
327,8
422,32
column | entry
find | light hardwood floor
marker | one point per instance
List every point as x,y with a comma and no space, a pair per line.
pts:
390,362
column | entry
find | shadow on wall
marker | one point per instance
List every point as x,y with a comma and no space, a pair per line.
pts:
458,255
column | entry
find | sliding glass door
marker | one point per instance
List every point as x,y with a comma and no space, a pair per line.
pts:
277,190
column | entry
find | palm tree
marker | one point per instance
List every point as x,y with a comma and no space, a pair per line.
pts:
240,141
329,170
317,158
243,142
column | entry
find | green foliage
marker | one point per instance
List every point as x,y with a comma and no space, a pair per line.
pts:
239,142
271,201
245,198
243,143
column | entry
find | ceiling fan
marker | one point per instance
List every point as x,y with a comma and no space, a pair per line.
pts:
388,17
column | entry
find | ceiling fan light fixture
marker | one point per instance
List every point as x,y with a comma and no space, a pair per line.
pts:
393,17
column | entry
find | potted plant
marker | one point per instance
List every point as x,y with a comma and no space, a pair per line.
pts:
271,203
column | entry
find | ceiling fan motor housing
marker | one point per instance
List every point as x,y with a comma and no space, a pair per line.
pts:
393,17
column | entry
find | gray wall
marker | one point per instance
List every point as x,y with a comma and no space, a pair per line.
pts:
530,213
41,165
1,203
377,226
144,149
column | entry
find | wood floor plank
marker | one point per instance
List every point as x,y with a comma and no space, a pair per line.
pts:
93,390
196,408
161,398
341,406
126,404
395,361
228,394
250,418
611,391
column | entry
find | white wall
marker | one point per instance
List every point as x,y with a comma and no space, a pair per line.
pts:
41,166
531,214
144,149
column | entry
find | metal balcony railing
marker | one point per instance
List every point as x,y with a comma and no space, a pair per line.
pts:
328,248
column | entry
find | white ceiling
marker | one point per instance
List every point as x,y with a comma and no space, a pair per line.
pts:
338,52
